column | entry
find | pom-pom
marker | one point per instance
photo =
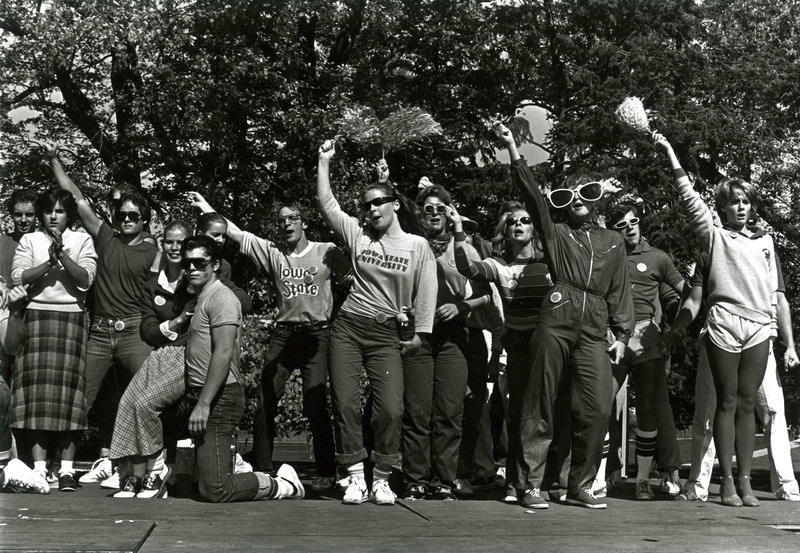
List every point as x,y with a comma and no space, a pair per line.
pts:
632,113
406,125
360,125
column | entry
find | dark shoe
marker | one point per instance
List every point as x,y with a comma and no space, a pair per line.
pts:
585,498
415,492
532,499
66,482
463,488
483,482
443,493
155,484
131,487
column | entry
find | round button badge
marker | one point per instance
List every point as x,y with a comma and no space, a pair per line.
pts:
159,301
641,267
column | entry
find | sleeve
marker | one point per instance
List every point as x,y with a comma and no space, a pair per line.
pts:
700,218
104,236
87,259
346,228
619,298
224,312
150,329
480,287
23,260
779,271
257,249
700,271
425,289
534,200
476,271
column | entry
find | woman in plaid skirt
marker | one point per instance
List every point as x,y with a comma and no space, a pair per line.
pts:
48,401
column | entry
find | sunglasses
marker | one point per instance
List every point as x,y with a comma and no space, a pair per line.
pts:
438,208
290,218
589,192
199,263
377,202
626,223
511,221
134,216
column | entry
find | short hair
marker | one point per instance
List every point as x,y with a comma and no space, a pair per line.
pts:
207,243
177,224
727,189
617,212
294,206
136,199
436,191
48,199
205,221
578,178
121,187
20,196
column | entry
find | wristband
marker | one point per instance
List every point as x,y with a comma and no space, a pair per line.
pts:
460,236
678,173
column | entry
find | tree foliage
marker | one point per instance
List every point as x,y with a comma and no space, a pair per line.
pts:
233,97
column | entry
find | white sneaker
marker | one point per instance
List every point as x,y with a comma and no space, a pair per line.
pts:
21,479
670,483
382,494
112,482
101,469
343,483
241,465
788,493
287,475
356,492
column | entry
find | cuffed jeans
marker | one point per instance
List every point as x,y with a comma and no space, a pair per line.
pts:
770,409
358,342
307,350
435,382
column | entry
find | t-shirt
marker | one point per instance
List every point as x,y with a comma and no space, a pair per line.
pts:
216,306
648,267
8,247
303,280
122,271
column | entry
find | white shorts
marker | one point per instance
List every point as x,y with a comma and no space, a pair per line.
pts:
733,333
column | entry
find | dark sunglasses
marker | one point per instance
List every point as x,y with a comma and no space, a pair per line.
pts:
377,202
511,221
589,192
626,223
199,263
438,208
134,216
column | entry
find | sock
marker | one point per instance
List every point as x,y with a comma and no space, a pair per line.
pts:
645,449
267,486
66,467
139,469
600,477
156,464
356,470
40,466
380,472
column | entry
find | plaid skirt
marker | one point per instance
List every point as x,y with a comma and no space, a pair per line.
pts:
158,384
47,389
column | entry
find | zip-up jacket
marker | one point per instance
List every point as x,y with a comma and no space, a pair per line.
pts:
584,259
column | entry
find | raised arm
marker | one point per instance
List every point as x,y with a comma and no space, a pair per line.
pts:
91,222
198,201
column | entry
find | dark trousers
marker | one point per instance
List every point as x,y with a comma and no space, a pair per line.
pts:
435,381
307,350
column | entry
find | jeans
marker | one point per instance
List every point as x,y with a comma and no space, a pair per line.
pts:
5,402
215,478
770,409
307,350
435,385
106,345
361,342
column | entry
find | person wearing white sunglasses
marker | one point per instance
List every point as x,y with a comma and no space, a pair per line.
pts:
591,293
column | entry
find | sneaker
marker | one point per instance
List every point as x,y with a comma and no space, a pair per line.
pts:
112,482
686,495
500,478
415,492
533,500
21,479
356,492
52,477
443,493
382,494
66,482
585,498
790,494
131,487
240,465
670,483
343,483
463,488
287,474
154,484
600,489
511,495
643,491
101,469
323,483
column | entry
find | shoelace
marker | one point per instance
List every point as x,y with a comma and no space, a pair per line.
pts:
17,483
534,493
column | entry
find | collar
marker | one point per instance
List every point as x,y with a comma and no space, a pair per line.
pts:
641,247
757,231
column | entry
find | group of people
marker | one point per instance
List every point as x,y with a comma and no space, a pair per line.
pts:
575,299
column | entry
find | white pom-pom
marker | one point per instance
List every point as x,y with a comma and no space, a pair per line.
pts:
631,112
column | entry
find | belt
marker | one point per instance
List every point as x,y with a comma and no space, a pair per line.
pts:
117,324
303,326
567,284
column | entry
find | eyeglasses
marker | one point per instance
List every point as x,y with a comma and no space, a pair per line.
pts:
438,208
134,216
629,223
290,218
199,263
511,221
377,202
588,192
